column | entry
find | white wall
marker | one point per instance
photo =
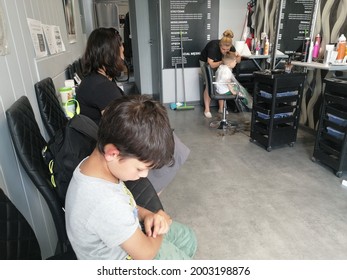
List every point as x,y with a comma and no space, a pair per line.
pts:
19,71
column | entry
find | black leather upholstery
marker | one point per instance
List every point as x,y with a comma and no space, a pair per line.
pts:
17,239
69,72
144,194
52,114
28,143
77,67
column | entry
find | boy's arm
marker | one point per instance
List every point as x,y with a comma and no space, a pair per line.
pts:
155,223
142,247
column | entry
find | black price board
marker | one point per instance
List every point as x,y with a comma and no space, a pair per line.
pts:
190,24
296,20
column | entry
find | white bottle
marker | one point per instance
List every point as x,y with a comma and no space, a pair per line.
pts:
309,59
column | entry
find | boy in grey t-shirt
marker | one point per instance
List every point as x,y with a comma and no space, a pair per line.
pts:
102,218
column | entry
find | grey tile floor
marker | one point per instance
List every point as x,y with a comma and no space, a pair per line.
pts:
246,203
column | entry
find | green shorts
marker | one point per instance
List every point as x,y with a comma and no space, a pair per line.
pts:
178,244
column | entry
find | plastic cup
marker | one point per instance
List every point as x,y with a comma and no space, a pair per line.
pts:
65,94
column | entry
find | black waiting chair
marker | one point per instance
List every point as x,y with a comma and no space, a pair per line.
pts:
223,123
52,114
54,119
28,143
17,239
77,68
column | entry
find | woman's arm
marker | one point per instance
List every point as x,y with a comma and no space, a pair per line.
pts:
213,64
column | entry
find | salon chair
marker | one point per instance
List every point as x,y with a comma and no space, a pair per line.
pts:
223,123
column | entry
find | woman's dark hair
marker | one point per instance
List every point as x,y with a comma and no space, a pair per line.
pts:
139,127
103,52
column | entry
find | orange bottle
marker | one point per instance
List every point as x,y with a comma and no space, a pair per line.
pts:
341,49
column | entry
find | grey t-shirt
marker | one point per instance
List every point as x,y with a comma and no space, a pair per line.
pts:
100,215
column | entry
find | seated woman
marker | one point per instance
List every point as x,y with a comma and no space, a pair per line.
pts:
102,61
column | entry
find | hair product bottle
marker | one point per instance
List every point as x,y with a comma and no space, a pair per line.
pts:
309,58
341,49
266,47
316,47
305,49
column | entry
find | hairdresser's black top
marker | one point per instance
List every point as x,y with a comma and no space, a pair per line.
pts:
94,93
212,51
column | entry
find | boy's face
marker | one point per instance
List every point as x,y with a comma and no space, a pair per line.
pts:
124,169
128,169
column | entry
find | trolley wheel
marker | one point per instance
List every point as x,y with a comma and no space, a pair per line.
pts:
269,149
291,144
251,140
313,159
338,174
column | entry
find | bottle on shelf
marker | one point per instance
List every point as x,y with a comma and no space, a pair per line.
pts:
266,47
316,47
305,48
309,57
341,49
257,47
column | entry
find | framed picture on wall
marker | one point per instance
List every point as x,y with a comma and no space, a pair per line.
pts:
70,20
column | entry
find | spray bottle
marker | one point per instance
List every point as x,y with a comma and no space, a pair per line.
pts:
341,49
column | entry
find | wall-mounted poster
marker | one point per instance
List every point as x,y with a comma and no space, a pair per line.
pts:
69,20
187,27
37,36
3,39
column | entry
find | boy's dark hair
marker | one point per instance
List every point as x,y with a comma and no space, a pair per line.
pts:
103,52
139,127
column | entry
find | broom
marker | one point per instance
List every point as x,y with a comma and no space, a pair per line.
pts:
178,105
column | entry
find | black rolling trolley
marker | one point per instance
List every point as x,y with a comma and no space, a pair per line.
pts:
331,143
276,108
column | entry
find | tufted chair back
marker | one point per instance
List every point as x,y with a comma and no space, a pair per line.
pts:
52,114
28,143
17,239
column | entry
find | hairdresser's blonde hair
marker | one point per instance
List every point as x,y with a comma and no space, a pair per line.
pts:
227,39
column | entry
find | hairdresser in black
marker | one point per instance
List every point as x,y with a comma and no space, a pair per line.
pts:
212,54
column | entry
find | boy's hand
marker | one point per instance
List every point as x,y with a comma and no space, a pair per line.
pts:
157,224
